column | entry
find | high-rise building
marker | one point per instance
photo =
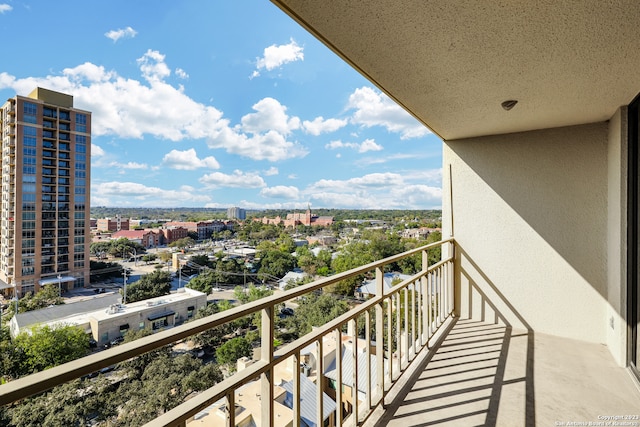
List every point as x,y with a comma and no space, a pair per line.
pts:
236,213
44,215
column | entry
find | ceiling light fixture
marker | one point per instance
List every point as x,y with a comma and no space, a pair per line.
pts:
509,104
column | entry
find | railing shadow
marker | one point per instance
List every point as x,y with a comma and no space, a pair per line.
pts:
530,413
461,380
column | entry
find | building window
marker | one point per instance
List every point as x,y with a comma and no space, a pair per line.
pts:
29,131
81,122
30,108
141,325
28,271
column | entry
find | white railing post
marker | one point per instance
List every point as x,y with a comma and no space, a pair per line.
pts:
353,325
413,321
296,390
266,379
231,406
320,383
367,351
338,335
380,335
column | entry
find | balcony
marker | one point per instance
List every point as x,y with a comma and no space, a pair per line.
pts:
414,362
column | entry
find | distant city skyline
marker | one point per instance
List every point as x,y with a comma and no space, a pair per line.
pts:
220,104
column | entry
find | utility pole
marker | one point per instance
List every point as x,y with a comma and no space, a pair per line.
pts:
124,277
124,287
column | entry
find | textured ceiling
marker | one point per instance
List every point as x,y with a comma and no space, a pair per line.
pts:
452,62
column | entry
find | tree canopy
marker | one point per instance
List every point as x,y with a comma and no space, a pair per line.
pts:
46,296
232,350
315,310
150,285
49,346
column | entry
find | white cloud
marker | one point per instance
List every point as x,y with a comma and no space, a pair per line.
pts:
5,8
363,147
153,67
238,179
96,151
384,159
253,205
135,194
129,165
373,108
181,73
269,115
126,33
281,192
319,125
376,191
271,146
271,171
188,160
130,109
276,56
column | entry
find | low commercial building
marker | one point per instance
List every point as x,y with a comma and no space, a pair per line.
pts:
106,319
112,224
147,238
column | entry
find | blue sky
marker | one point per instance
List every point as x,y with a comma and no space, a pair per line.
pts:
218,104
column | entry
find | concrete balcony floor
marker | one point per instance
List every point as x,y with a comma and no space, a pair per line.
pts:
485,374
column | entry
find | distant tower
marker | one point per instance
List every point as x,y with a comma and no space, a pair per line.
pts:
44,215
236,213
307,216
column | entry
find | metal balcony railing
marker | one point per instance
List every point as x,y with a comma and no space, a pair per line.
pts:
403,318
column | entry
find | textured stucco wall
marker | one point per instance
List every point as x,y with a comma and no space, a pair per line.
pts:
617,237
530,217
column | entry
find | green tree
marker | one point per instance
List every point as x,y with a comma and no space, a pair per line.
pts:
165,256
251,293
276,263
315,310
285,243
69,404
229,352
124,247
213,337
12,358
229,271
98,248
50,346
46,296
164,383
150,285
186,242
147,258
202,260
203,282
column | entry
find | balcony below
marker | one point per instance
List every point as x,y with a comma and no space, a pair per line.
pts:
490,374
